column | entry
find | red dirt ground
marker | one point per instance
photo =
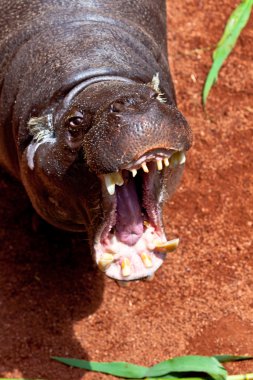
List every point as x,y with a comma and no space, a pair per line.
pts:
52,300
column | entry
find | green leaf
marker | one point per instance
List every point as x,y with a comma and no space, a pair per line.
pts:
172,377
231,358
236,22
120,369
184,364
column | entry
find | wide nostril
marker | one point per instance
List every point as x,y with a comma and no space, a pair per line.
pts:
123,105
117,107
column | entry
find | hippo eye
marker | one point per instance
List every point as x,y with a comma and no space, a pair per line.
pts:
75,121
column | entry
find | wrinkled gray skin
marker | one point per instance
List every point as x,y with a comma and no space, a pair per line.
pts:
62,58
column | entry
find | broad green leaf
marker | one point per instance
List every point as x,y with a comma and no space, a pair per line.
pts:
231,358
236,22
120,369
184,364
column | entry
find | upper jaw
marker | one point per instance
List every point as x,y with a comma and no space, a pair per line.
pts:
146,253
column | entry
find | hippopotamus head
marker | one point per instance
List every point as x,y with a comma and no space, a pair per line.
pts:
103,160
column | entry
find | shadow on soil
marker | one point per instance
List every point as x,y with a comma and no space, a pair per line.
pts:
47,282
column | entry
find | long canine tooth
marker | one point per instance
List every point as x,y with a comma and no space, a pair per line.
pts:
166,162
144,167
146,260
159,164
110,185
125,267
134,172
168,246
105,260
113,179
177,158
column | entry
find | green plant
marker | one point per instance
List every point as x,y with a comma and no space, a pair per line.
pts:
236,22
183,368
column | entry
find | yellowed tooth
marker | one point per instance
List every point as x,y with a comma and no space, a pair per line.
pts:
146,259
113,179
177,158
159,164
125,267
105,261
117,178
144,167
166,162
123,284
168,246
146,224
134,172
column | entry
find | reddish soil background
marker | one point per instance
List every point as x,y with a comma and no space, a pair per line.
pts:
53,302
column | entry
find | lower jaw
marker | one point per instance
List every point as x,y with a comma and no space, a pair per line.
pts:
127,263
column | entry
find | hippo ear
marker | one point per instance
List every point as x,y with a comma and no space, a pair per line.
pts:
154,84
41,128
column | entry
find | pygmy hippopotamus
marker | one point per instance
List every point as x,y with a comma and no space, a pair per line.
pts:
89,122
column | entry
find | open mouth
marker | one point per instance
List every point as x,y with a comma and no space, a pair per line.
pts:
131,243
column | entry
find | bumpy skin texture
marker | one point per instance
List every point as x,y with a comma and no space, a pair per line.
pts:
94,57
47,47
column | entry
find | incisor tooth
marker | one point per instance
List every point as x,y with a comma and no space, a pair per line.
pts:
134,172
166,162
168,246
125,267
113,179
146,260
105,260
144,167
117,178
177,158
159,164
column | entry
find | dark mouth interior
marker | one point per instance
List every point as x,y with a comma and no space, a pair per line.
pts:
135,205
130,211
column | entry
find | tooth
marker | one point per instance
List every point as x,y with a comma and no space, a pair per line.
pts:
159,164
134,172
117,178
113,179
150,278
177,158
144,167
109,184
146,224
168,246
125,267
146,260
105,260
123,284
166,161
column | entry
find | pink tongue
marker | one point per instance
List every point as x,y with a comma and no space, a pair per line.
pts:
129,224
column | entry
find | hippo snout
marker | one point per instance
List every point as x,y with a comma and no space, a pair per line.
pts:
127,129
